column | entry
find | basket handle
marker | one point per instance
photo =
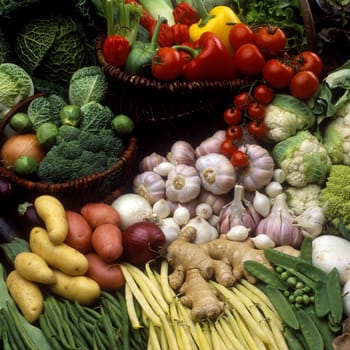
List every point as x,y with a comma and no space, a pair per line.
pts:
309,24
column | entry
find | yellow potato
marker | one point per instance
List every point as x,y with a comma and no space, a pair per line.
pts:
34,268
82,289
53,213
59,256
27,295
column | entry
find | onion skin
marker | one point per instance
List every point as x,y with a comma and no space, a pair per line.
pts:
142,241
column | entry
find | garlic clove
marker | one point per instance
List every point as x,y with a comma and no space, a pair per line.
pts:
181,215
163,168
279,175
204,210
273,188
262,203
161,209
263,241
238,233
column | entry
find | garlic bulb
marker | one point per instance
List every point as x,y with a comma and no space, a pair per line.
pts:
149,185
163,168
259,172
204,231
279,224
190,206
170,228
216,172
183,184
216,201
211,144
150,161
311,221
181,152
238,212
262,203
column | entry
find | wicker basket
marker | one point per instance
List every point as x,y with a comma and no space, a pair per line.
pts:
102,186
149,101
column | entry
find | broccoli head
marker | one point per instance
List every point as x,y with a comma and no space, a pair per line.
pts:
336,197
67,133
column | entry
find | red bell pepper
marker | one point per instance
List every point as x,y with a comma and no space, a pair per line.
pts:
180,33
116,50
185,14
210,60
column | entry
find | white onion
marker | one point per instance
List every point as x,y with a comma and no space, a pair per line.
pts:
132,208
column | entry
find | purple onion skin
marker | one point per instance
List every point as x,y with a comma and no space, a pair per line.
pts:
7,192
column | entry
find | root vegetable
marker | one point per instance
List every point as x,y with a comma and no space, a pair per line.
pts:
27,295
107,242
79,232
33,268
100,213
108,276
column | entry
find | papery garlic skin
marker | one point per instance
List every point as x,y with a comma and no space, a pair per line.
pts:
259,172
183,184
211,144
150,161
279,224
216,201
311,221
181,152
216,172
149,185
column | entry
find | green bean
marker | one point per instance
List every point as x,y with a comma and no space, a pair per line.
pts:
321,299
125,321
335,296
282,306
49,333
110,298
264,274
311,271
306,250
8,338
309,331
292,341
326,333
276,257
108,327
113,313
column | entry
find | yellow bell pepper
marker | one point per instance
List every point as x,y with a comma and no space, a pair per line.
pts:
218,21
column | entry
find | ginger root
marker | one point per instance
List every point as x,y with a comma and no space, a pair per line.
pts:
220,260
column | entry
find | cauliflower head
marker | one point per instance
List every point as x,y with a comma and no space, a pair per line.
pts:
303,159
336,136
300,198
285,116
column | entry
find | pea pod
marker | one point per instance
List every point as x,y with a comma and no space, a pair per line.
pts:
283,307
311,271
335,297
292,341
264,274
310,332
276,257
325,331
321,299
306,250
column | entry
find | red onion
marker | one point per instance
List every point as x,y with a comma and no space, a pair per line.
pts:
142,241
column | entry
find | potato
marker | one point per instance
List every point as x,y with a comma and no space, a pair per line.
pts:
59,256
27,295
108,276
79,232
34,268
82,289
52,212
100,213
107,242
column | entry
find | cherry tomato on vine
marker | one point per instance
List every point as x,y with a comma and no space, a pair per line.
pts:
240,34
256,111
263,94
234,133
270,40
308,60
232,116
167,64
227,148
304,84
257,129
277,74
242,100
239,159
249,60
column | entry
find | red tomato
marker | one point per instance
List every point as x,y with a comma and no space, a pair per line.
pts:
257,128
308,60
239,159
304,84
249,60
232,116
242,100
227,148
263,94
166,64
270,40
256,111
234,133
277,74
240,34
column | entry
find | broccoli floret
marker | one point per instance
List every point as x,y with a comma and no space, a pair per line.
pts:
95,117
336,197
67,133
55,170
91,141
97,160
113,145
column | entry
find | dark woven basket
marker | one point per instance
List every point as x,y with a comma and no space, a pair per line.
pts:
102,186
149,101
